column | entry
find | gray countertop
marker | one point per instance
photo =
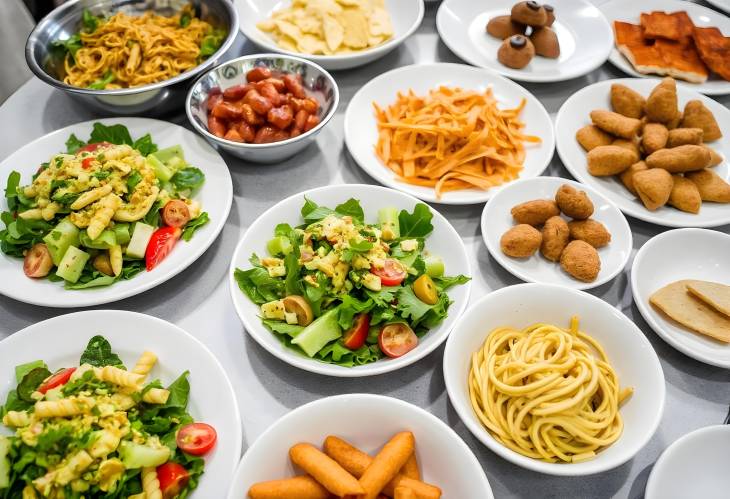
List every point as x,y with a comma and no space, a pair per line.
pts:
198,299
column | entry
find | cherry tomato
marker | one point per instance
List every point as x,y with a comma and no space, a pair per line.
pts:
397,339
173,479
37,261
355,337
391,274
93,147
196,438
258,73
160,245
58,379
175,213
86,163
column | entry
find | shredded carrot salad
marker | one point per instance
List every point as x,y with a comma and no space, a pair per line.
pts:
451,139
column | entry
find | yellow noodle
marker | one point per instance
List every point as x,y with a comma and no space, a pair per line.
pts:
547,393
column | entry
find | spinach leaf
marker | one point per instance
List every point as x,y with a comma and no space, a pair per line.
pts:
315,294
153,216
101,83
416,224
71,45
188,178
65,199
11,190
445,282
283,230
292,282
89,21
258,285
144,145
13,403
101,174
99,353
23,369
179,392
30,383
133,179
312,212
20,234
73,144
115,134
194,225
351,208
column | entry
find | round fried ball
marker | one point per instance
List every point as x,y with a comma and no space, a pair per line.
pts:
521,241
574,203
581,260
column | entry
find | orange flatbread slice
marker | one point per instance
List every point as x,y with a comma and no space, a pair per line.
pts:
643,55
714,50
659,24
682,60
714,294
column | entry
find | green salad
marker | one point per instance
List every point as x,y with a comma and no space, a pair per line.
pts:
347,292
99,430
102,211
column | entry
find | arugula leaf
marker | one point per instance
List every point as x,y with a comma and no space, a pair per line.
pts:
416,224
14,403
97,281
133,179
153,216
194,225
292,282
352,208
283,328
312,212
410,306
283,230
144,145
23,369
445,282
65,199
385,296
20,234
102,82
188,178
73,144
30,383
258,285
71,45
179,392
115,134
11,190
351,307
360,247
315,294
99,353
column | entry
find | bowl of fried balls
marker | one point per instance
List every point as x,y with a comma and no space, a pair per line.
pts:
658,151
526,32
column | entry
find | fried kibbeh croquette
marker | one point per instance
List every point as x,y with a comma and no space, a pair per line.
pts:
529,13
573,203
546,42
616,124
550,11
629,145
503,27
710,186
535,212
555,237
591,231
684,136
680,159
581,260
626,101
655,137
521,241
627,177
672,124
590,136
653,186
604,161
715,157
661,105
696,115
685,196
516,52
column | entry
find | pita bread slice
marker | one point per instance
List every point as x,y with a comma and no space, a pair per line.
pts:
714,294
693,313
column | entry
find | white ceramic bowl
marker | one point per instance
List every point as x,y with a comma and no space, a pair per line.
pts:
215,196
443,241
361,130
672,256
575,114
584,35
693,466
61,340
497,219
406,16
366,421
628,350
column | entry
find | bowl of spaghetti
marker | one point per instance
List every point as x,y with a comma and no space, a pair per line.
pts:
130,57
554,379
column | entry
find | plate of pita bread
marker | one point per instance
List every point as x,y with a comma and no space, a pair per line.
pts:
680,281
658,38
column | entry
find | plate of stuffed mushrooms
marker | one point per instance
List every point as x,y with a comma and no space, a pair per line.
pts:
654,148
528,40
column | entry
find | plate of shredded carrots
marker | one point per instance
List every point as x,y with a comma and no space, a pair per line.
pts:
448,133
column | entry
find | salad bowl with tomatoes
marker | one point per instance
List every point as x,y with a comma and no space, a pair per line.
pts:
350,280
103,210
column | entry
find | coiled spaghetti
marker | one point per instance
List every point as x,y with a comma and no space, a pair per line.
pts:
546,392
129,51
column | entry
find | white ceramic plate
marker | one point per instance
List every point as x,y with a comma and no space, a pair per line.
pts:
215,196
361,131
584,35
693,466
497,219
443,241
406,16
672,256
721,4
628,350
61,340
575,114
366,421
630,11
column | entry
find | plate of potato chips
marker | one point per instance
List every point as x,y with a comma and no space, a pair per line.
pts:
336,34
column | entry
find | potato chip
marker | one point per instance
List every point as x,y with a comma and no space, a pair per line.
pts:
356,28
289,29
380,23
310,44
334,33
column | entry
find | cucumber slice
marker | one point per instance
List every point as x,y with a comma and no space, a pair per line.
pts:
280,245
72,264
140,238
4,462
62,236
121,231
172,157
106,239
162,172
320,332
388,218
434,265
142,456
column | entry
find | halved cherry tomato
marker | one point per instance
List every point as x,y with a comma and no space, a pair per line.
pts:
160,245
58,379
355,337
93,147
173,478
37,261
391,274
196,438
175,213
397,339
86,163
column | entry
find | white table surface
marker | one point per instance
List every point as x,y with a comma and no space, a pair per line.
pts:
198,299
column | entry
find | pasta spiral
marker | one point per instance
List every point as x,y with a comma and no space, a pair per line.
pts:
150,483
546,392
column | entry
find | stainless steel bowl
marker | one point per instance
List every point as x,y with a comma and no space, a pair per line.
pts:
316,80
153,99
